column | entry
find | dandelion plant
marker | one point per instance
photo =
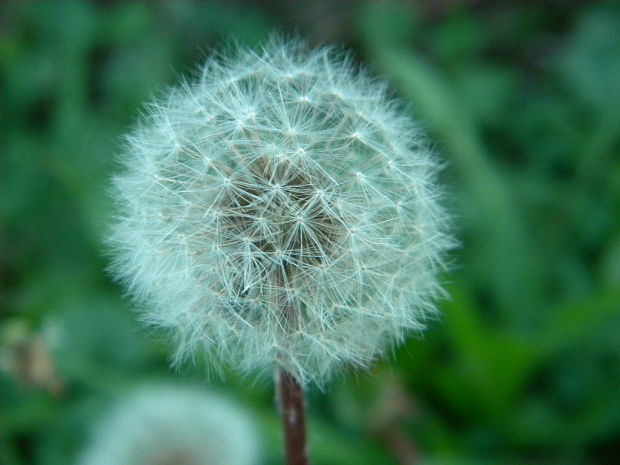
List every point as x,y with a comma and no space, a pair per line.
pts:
279,210
165,424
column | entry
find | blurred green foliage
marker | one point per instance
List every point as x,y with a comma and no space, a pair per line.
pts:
522,101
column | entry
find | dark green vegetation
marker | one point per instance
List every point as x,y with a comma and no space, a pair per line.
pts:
522,100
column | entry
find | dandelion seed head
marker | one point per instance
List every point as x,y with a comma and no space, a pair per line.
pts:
171,425
281,209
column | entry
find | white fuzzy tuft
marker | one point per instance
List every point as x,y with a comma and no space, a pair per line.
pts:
169,425
281,209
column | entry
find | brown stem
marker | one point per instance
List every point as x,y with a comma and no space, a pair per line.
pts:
292,404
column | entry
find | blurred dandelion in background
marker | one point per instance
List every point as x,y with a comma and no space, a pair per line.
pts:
173,425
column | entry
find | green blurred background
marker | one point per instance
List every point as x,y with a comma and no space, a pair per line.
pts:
522,99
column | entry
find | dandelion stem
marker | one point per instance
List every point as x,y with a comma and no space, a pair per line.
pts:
293,408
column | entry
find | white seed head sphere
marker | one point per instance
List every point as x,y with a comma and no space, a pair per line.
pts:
280,209
169,425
